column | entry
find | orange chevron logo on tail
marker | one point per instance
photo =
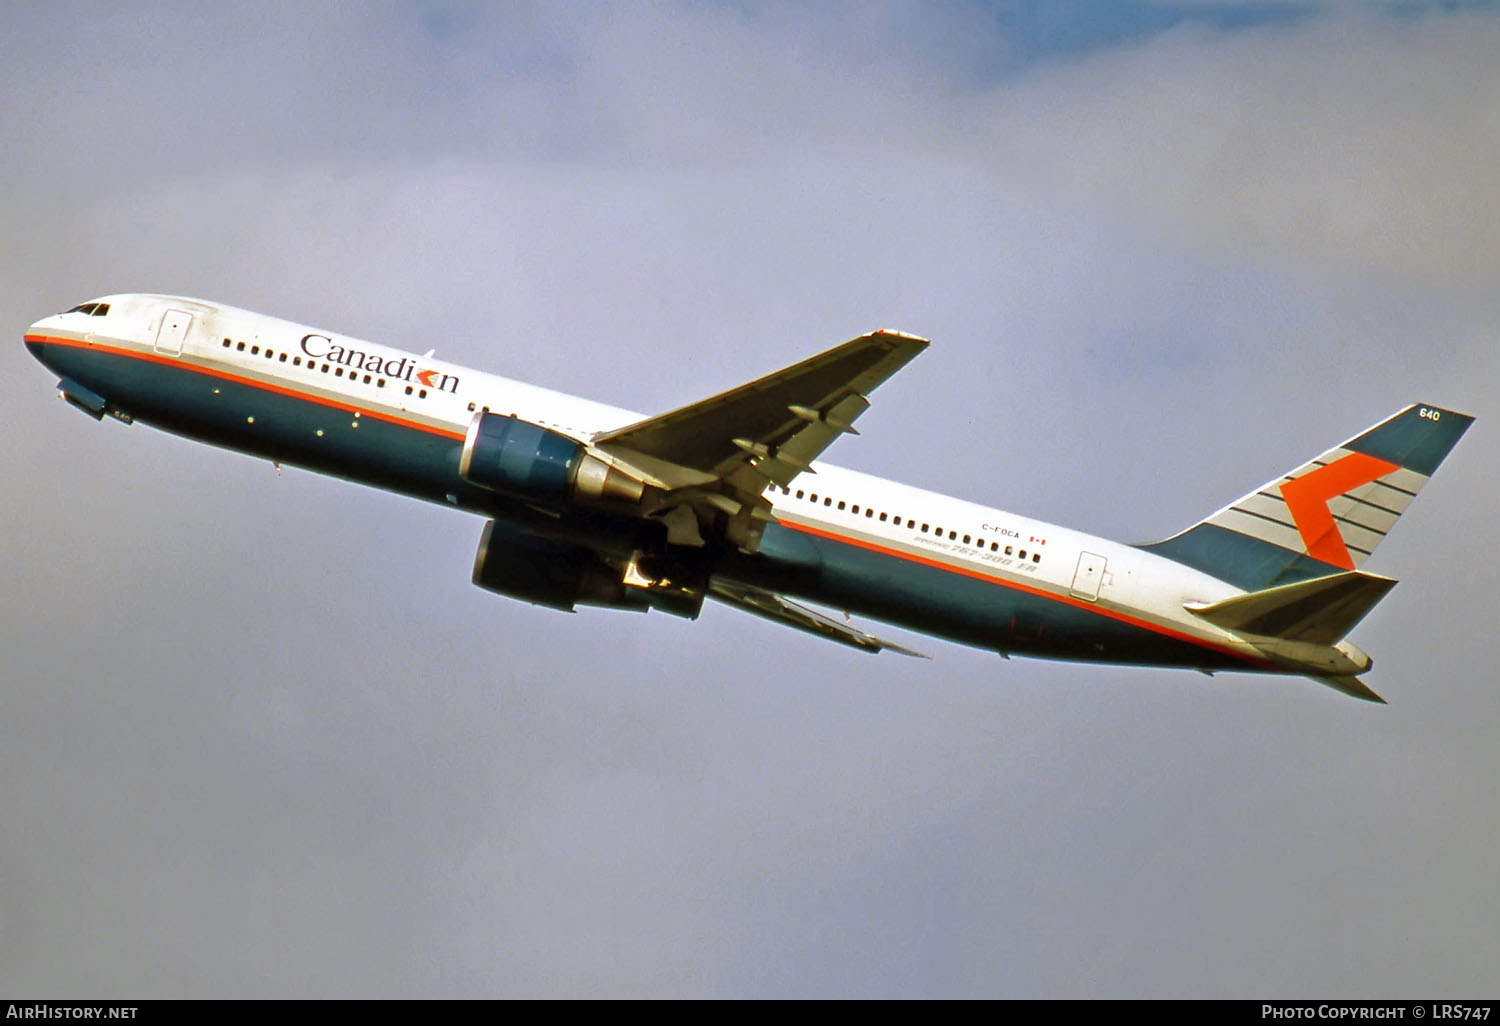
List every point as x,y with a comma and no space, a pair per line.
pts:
1307,498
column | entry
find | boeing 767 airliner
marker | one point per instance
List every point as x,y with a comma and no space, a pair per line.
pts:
726,499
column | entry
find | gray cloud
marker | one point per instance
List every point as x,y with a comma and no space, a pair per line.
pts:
1360,143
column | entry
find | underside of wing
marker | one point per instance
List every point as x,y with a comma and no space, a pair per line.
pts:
1321,610
773,607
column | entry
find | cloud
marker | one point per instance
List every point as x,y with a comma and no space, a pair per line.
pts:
1363,144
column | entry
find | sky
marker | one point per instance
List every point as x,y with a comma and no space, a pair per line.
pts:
262,738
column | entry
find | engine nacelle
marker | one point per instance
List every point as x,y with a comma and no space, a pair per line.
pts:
507,454
548,573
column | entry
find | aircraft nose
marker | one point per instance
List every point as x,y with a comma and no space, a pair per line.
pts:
38,347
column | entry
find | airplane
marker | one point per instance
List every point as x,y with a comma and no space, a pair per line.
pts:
727,499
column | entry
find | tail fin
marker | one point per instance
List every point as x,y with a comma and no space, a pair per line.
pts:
1326,516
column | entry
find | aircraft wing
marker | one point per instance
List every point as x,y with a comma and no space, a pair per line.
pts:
773,607
766,431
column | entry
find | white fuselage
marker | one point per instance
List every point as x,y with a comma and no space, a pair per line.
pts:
345,383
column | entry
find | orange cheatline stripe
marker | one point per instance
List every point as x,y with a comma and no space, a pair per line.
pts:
1030,590
1307,498
177,362
168,361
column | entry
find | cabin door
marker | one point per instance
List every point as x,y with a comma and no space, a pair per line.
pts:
173,330
1090,573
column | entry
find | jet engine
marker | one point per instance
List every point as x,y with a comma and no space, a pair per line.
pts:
507,454
547,572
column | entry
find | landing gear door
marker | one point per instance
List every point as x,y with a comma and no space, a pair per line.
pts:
1089,576
173,330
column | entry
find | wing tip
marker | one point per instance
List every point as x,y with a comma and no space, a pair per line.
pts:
1353,687
904,336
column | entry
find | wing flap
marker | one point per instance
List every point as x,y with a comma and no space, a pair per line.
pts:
770,606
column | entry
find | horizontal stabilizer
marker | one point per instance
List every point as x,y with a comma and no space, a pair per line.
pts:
1320,611
1351,686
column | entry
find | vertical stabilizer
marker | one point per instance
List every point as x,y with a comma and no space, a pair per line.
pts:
1327,515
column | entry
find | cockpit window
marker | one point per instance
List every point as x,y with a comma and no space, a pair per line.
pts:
92,309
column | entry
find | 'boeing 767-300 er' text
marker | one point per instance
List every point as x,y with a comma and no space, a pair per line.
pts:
726,499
